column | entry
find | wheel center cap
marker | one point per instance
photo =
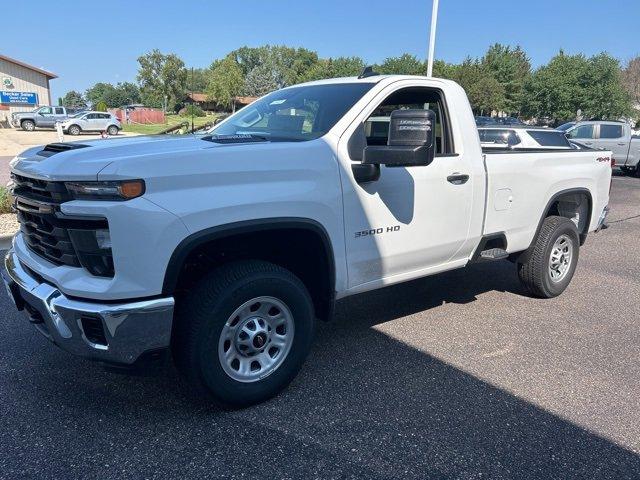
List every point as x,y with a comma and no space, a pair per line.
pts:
259,340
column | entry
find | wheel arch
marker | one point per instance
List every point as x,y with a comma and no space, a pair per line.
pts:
321,284
553,208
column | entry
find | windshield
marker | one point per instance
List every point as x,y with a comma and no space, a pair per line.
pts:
294,114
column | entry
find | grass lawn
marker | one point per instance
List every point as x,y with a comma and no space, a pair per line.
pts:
151,128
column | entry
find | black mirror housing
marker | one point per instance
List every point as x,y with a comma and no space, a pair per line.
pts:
411,140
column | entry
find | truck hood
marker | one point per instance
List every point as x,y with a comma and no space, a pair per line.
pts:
85,159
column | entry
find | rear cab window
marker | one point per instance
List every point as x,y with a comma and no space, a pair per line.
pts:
550,138
499,137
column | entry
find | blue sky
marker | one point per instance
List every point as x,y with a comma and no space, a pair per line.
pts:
85,41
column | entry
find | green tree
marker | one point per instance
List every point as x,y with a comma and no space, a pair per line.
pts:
101,106
226,82
73,99
442,69
261,80
114,96
605,96
335,68
631,79
511,68
570,84
98,92
484,91
405,64
287,65
163,79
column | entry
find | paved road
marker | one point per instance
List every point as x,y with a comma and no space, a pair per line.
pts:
455,376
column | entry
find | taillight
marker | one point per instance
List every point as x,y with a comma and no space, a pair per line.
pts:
613,162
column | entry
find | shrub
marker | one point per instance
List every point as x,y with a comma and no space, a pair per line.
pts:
5,200
101,106
194,110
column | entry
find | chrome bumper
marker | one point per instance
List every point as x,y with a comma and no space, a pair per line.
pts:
128,329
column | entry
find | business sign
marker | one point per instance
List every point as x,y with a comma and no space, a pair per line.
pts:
22,98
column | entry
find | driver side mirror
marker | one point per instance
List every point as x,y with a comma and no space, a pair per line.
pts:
411,140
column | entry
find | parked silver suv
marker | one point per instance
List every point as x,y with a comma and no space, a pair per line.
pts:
92,122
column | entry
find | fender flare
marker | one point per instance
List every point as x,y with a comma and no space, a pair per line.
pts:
193,241
583,235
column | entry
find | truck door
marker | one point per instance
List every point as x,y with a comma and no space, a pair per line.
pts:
584,134
45,117
411,218
59,114
611,137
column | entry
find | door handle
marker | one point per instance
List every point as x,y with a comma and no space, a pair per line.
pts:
622,144
458,178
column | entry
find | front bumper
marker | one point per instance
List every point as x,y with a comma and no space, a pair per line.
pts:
110,332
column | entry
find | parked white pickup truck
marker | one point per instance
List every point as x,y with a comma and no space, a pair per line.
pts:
226,247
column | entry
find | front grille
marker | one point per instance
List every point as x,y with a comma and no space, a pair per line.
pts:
47,236
40,190
45,230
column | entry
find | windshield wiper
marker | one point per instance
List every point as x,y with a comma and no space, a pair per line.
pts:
236,138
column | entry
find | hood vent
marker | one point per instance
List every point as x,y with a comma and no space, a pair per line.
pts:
54,148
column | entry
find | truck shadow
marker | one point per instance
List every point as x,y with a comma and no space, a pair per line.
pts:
364,406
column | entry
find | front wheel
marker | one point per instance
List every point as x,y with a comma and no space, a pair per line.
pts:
244,332
28,125
552,262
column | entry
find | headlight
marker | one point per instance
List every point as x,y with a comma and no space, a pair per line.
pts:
93,248
117,190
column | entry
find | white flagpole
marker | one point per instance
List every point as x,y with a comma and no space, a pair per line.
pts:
432,37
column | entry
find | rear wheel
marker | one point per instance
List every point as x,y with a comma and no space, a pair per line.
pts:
74,130
112,130
244,332
28,125
553,259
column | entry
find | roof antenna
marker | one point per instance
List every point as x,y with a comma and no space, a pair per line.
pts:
367,72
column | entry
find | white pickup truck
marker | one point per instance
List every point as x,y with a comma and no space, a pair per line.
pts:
226,247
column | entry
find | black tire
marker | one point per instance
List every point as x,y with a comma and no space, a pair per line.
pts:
535,273
636,171
203,312
74,130
112,130
28,125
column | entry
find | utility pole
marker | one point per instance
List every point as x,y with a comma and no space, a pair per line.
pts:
432,37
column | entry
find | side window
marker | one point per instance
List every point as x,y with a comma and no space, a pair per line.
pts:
104,115
610,131
583,131
59,111
46,110
91,116
377,125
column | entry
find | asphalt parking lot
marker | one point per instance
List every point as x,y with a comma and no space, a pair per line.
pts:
455,376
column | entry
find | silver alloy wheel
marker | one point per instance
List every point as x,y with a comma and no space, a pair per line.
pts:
112,130
560,259
74,130
29,126
256,339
